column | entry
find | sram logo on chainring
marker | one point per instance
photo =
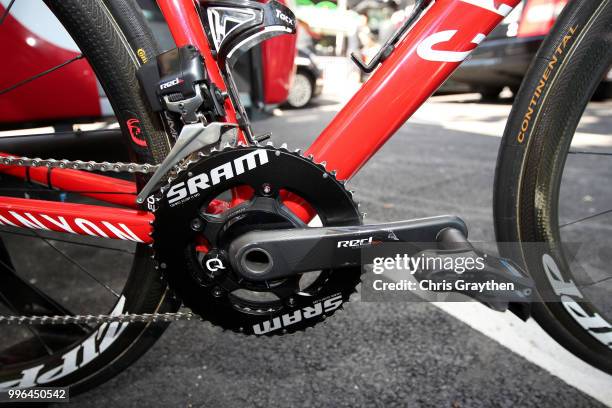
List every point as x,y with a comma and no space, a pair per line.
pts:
184,191
309,312
218,294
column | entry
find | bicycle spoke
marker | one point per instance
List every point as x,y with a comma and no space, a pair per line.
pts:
25,298
28,80
22,298
67,241
29,347
6,12
37,335
78,265
590,153
586,218
586,285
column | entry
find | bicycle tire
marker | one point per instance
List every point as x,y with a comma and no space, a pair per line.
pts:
553,96
114,37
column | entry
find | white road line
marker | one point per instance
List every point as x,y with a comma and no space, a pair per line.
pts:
531,342
526,339
470,117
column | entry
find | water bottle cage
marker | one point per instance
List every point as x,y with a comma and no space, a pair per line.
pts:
233,27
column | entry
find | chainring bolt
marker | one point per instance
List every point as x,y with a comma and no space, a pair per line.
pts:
266,189
217,292
196,224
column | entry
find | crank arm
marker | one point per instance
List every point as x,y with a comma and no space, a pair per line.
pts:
193,137
273,254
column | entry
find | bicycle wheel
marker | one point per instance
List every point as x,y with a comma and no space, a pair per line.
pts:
552,182
58,274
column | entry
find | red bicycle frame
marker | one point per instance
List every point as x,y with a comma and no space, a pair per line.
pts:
443,37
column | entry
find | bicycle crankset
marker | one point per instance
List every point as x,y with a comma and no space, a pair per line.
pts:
193,234
256,268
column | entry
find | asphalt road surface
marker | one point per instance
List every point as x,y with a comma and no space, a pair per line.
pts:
376,354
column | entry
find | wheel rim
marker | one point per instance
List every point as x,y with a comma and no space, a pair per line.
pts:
88,276
301,91
584,213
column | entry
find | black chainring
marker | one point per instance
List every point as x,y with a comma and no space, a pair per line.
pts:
222,296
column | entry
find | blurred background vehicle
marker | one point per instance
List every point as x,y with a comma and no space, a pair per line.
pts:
272,74
345,26
38,43
308,81
33,44
503,58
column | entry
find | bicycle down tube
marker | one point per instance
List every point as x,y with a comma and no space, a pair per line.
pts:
443,37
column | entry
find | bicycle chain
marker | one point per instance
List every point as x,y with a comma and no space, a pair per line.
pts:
99,319
117,167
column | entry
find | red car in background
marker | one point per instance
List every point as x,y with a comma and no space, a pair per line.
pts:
33,41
